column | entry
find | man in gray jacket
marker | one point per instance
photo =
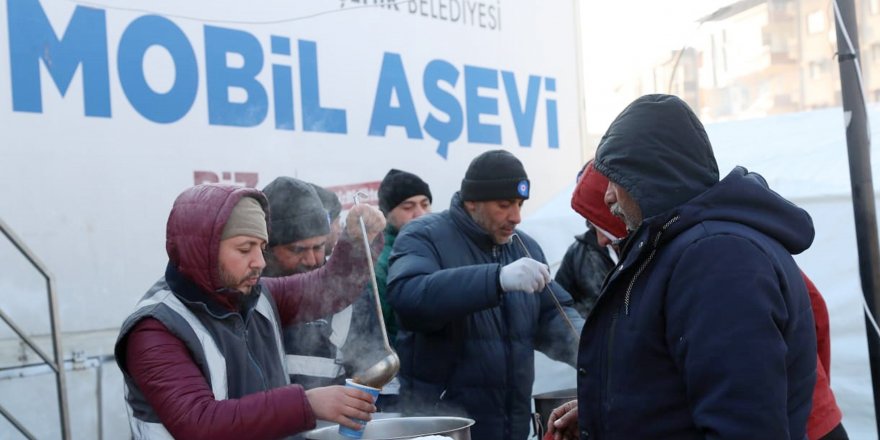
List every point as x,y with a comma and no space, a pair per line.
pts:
324,351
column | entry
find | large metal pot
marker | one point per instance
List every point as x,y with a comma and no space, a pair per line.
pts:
456,428
545,403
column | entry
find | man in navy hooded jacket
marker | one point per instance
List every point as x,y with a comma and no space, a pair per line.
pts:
704,328
472,307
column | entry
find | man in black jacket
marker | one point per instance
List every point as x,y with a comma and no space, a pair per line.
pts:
704,329
469,291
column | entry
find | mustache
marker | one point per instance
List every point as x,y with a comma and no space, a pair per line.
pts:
252,274
616,211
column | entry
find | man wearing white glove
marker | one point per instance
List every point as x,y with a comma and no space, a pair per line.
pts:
469,291
524,274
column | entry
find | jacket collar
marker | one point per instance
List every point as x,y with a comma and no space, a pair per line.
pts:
220,304
465,223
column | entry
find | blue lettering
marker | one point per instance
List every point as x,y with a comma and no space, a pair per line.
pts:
31,39
476,78
315,117
552,120
523,118
445,132
233,61
139,36
282,86
220,77
392,80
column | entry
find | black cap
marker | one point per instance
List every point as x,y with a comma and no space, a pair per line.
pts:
398,186
495,175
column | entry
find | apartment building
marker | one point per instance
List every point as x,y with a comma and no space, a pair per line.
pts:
755,58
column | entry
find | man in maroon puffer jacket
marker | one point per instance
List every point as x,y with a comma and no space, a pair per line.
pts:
201,354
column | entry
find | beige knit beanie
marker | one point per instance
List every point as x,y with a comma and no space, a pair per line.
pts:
247,218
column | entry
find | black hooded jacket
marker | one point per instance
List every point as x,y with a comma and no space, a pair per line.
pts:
583,268
659,152
704,329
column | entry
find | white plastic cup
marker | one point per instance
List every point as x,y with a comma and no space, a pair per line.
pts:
351,433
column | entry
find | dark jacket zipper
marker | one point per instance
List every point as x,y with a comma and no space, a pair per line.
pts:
609,367
247,345
646,263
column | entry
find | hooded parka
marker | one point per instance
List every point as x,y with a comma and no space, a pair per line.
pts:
704,329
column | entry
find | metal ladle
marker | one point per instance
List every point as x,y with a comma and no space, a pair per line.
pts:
382,372
552,293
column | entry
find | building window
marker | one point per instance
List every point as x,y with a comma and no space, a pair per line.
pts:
779,5
816,22
875,52
724,50
818,69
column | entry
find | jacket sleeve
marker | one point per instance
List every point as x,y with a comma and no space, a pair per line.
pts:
825,414
566,275
726,316
425,296
325,291
382,287
175,388
583,271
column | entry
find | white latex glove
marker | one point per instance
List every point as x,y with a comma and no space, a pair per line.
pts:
524,275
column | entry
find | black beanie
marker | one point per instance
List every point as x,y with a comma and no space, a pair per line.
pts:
398,186
495,175
329,200
295,211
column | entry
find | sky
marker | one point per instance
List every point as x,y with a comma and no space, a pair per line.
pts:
618,41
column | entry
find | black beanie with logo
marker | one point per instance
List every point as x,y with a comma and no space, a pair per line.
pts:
495,175
398,186
295,211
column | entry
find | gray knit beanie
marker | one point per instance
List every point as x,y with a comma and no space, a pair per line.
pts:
329,200
295,211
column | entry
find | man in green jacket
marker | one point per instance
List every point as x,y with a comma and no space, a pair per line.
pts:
403,197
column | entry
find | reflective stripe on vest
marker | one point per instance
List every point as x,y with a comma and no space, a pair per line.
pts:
313,366
216,364
340,325
265,309
316,366
141,430
214,358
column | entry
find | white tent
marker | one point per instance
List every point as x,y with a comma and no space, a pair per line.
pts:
803,156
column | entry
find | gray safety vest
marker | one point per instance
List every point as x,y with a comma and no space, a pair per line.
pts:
160,303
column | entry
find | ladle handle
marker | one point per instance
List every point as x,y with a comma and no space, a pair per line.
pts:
550,289
373,282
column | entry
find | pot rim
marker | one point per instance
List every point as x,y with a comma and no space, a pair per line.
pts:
466,424
557,394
